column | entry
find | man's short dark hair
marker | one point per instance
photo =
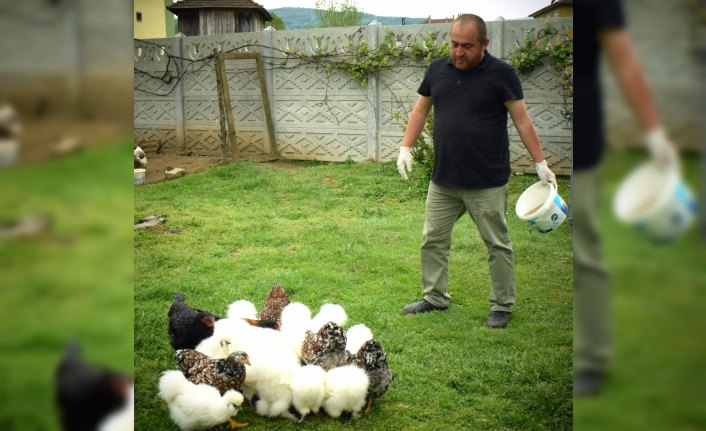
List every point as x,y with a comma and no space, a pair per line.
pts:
480,24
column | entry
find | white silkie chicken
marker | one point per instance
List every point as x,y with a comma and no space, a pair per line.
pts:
242,309
308,389
329,313
296,318
346,389
356,336
140,158
229,335
273,369
233,333
198,407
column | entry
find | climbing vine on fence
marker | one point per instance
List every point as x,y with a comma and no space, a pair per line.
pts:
360,62
554,45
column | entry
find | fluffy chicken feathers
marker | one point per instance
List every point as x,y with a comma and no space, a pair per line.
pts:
223,374
346,389
197,407
308,389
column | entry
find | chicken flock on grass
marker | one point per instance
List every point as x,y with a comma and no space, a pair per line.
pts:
283,361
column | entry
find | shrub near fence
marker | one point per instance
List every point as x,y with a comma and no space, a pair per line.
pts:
318,114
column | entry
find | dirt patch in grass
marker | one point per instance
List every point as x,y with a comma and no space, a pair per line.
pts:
53,138
158,163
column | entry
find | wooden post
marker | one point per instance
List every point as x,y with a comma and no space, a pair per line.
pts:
228,108
265,99
266,106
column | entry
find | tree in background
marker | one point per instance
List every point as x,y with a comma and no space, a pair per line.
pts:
331,13
276,22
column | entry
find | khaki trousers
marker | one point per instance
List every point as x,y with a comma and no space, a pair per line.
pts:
593,345
487,209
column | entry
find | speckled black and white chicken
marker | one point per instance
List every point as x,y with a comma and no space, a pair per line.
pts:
325,348
371,357
223,374
188,326
275,302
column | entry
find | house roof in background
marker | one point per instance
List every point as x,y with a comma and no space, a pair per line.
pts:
555,4
179,6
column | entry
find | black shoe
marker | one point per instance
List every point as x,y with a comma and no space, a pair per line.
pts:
498,319
588,383
422,306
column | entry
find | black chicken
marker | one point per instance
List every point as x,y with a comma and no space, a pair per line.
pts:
372,358
188,326
85,394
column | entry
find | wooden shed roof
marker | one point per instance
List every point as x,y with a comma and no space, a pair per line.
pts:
182,5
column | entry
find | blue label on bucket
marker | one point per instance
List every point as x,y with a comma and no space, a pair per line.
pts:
682,194
561,204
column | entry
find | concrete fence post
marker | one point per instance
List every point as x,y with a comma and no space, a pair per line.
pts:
268,61
179,96
373,40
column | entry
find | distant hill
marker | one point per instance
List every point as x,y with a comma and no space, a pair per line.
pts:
299,17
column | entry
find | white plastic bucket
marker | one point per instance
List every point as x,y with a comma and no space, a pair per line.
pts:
8,151
656,201
542,207
139,176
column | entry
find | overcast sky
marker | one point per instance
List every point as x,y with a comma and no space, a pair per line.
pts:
486,9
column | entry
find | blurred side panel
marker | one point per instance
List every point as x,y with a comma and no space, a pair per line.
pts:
66,202
657,375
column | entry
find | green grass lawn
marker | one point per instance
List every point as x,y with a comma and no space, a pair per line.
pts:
75,281
349,233
656,380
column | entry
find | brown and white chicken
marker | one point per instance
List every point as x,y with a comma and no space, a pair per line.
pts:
223,374
275,302
325,348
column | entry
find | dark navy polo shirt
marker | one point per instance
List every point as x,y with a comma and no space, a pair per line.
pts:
471,146
591,17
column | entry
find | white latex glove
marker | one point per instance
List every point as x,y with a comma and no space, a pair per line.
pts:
404,161
661,148
544,173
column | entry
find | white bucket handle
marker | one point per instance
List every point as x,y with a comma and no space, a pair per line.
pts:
556,190
555,185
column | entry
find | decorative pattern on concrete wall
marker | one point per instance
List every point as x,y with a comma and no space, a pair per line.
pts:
317,115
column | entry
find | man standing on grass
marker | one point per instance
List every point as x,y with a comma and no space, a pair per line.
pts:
472,93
